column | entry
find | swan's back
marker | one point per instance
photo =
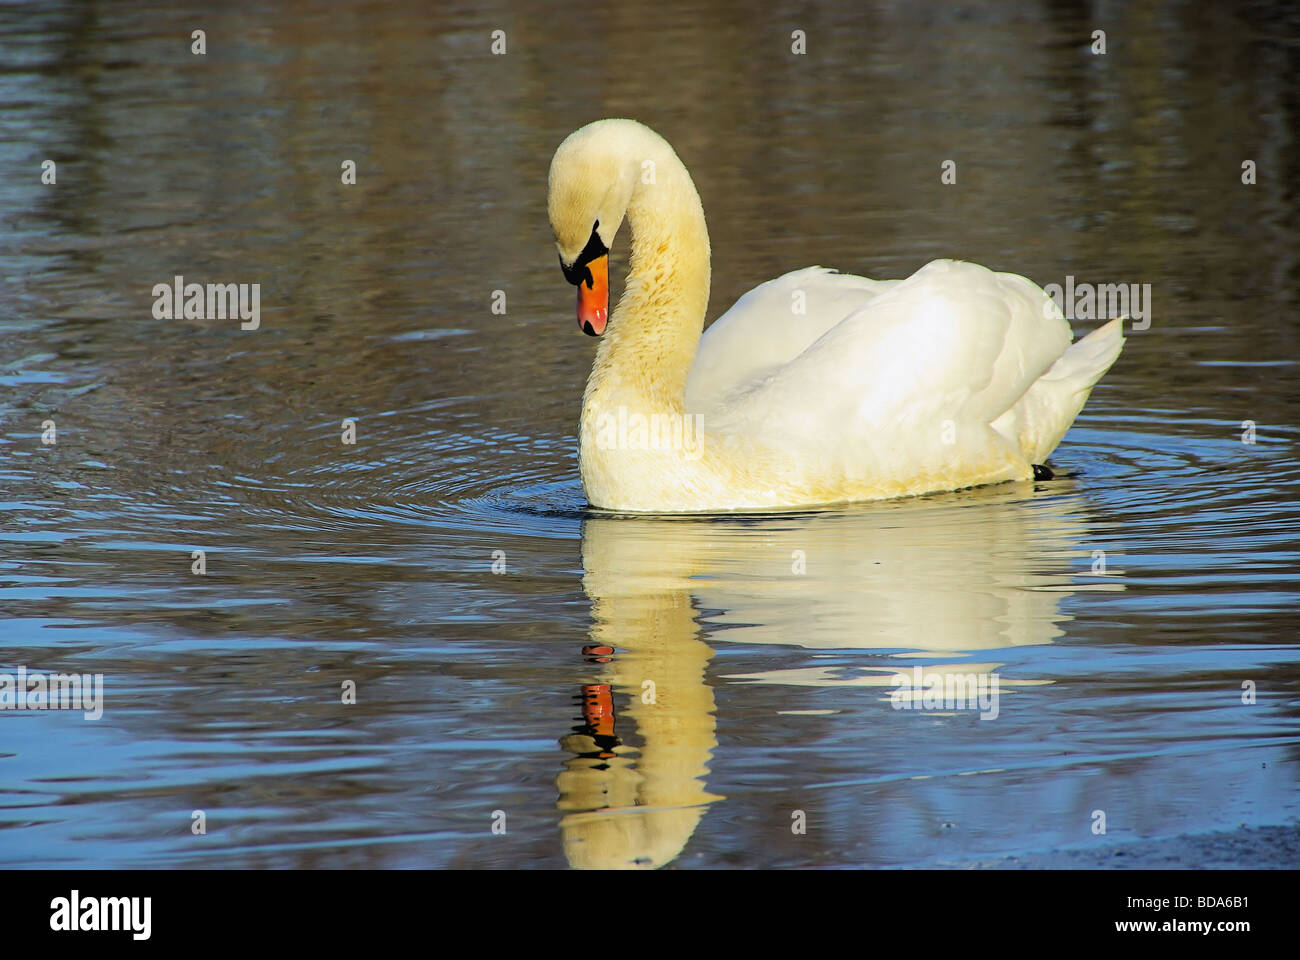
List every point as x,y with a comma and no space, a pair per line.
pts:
906,383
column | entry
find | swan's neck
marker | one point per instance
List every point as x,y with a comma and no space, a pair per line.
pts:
646,354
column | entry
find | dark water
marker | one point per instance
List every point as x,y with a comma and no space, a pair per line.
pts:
372,563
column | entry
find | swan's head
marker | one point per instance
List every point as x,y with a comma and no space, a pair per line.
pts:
590,187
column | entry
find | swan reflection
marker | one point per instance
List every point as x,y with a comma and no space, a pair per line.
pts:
948,575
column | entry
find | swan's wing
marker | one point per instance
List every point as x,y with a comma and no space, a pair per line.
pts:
946,351
768,327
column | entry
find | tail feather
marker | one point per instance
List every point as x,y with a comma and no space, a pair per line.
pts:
1039,419
1087,359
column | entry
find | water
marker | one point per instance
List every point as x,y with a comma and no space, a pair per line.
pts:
1122,606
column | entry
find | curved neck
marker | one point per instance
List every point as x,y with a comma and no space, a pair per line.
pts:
646,354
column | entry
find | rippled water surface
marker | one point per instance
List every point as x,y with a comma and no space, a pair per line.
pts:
1122,606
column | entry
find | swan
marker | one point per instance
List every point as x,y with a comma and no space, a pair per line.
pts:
815,388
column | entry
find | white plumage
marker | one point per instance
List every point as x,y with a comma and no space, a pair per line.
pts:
815,387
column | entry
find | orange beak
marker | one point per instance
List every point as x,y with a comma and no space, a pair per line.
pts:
593,298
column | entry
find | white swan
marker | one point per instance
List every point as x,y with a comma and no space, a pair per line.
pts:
814,388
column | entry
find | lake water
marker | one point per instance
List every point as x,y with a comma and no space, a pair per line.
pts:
1127,608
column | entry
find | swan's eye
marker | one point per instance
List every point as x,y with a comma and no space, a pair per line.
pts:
577,272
